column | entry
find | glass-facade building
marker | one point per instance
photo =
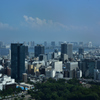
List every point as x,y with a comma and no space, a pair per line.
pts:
39,49
17,60
67,49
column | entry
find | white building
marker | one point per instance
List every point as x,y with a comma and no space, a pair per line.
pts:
79,74
57,66
50,72
9,54
72,68
90,44
26,65
5,80
96,74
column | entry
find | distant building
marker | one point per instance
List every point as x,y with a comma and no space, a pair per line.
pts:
90,44
87,66
64,57
32,43
42,57
53,43
17,60
1,44
81,44
64,48
50,72
57,66
39,49
45,43
81,51
72,68
60,42
26,51
54,55
67,49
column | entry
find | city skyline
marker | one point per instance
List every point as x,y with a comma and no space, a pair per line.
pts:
50,20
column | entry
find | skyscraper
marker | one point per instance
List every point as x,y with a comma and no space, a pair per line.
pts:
70,50
64,48
26,51
39,49
67,49
81,51
17,60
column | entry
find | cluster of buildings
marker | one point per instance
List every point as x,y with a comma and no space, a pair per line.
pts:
20,66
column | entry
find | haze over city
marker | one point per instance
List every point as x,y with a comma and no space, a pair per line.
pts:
54,20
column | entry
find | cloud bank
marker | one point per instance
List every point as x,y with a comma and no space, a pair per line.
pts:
48,24
4,26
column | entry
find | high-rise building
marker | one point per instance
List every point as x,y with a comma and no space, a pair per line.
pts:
70,50
17,60
81,51
64,48
67,49
39,49
26,51
53,43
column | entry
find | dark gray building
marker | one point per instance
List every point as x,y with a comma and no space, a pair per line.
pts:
17,60
42,57
81,51
64,48
26,51
98,64
39,49
67,49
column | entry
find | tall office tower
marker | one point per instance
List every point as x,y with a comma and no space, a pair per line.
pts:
17,60
67,49
39,49
81,51
26,51
53,43
70,50
45,43
64,48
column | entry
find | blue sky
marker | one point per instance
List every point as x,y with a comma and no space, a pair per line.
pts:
50,20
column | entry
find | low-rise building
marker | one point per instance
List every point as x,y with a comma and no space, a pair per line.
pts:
6,82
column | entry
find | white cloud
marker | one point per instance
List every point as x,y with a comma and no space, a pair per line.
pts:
4,26
39,23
